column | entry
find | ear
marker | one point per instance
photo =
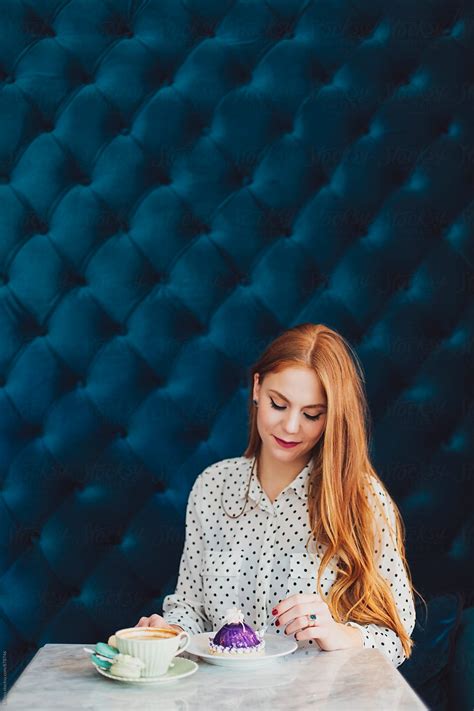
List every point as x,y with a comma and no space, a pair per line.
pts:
256,387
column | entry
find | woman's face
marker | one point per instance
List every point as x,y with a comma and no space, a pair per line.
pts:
291,408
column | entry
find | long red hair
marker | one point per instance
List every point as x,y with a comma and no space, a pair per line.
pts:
340,514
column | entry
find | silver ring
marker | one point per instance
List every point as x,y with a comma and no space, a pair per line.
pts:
311,620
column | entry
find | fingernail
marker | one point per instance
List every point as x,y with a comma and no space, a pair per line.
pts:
274,611
277,623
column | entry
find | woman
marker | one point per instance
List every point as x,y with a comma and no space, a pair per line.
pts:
305,476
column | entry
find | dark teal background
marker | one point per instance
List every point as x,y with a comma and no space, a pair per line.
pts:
179,182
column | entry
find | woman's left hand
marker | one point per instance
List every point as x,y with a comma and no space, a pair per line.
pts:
330,635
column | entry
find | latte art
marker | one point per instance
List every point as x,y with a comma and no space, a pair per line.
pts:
149,633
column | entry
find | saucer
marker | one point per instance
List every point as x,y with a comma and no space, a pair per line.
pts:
275,646
179,669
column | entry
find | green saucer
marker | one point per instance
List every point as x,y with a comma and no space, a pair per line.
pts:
180,668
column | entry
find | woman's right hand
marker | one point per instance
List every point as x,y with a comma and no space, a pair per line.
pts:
156,621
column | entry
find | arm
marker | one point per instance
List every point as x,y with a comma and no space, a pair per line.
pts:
184,608
392,568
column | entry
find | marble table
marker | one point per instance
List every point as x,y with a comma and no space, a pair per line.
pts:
60,676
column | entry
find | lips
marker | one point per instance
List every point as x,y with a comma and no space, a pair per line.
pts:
286,445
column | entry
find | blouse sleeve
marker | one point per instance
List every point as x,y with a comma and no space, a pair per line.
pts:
185,606
393,570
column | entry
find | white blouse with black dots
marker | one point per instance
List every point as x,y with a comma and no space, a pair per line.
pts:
255,561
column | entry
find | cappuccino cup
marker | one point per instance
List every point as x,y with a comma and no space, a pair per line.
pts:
155,646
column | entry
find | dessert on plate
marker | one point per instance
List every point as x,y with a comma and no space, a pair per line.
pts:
108,657
126,665
235,637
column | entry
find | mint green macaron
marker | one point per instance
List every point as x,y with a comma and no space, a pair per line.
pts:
99,662
106,650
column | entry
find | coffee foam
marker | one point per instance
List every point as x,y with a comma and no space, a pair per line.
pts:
145,633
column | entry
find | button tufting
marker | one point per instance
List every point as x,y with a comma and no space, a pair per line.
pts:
200,432
281,30
32,431
36,225
41,228
245,76
48,31
4,279
34,536
37,27
206,30
9,79
246,180
361,127
445,125
401,80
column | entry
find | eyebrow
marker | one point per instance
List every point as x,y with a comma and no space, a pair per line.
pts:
318,404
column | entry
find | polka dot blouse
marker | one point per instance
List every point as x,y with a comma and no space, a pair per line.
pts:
255,561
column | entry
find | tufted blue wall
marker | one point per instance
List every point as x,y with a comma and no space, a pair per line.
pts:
179,182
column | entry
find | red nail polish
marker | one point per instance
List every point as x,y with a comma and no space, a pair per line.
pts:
274,611
277,622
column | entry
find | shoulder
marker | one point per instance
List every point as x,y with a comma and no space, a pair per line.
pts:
232,464
233,470
380,500
375,488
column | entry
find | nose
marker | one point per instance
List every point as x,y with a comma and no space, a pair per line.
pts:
291,422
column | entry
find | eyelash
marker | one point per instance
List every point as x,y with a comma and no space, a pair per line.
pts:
313,418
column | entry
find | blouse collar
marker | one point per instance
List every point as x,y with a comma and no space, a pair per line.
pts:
299,483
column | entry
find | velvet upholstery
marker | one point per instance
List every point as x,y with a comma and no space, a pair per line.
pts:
435,638
179,182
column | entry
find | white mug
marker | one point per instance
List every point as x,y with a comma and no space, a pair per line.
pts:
155,646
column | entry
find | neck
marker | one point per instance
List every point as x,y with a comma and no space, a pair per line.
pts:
278,474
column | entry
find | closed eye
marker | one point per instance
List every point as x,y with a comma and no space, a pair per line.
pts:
283,407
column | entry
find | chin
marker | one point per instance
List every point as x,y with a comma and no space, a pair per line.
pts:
290,451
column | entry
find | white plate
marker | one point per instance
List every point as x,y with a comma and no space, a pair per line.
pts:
275,646
180,668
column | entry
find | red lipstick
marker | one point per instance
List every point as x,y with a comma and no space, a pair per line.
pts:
286,445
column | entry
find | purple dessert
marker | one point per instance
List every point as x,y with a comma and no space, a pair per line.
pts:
235,637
